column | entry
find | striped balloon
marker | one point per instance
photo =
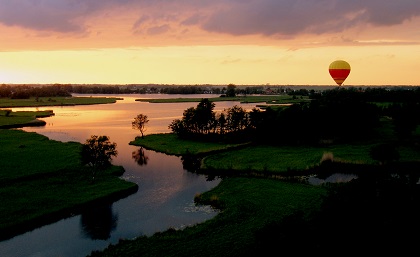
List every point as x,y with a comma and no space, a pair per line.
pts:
339,70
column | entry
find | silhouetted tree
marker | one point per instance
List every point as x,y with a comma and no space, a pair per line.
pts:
237,118
204,116
231,92
97,152
139,123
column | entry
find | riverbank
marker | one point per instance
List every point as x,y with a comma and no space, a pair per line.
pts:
43,181
262,214
55,101
20,119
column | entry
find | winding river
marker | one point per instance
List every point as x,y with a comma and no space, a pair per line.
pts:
166,191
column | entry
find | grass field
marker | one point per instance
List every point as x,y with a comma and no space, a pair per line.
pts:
54,101
262,158
38,172
22,118
170,144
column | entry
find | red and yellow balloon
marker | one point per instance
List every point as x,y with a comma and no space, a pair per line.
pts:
339,71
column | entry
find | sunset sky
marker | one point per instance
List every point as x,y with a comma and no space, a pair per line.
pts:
243,42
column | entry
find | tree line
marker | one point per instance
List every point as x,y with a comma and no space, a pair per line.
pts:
378,94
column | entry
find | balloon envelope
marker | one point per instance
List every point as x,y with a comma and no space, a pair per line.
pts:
339,70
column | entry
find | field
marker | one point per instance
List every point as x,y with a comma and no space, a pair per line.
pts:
9,119
54,101
36,171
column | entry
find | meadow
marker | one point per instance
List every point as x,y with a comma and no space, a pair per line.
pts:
54,101
38,172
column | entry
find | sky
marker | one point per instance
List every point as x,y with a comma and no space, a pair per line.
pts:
196,42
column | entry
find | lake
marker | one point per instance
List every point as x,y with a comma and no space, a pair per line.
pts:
165,198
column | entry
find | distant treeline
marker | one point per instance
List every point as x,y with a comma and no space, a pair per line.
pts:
374,93
25,91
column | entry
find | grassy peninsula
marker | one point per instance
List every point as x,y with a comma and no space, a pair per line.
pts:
9,119
42,181
18,119
54,101
36,171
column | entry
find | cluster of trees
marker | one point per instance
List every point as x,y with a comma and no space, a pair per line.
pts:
338,115
203,120
97,152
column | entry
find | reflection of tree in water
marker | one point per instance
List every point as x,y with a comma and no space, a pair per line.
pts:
99,221
191,162
140,157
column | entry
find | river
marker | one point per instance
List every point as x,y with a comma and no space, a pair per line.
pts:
165,198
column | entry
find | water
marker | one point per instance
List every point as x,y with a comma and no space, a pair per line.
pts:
165,198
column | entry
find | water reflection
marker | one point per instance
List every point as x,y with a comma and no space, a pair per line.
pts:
333,178
98,221
191,162
140,157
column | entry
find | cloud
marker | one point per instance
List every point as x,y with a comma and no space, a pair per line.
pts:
234,17
42,15
284,17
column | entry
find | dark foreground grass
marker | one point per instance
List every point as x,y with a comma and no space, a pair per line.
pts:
42,181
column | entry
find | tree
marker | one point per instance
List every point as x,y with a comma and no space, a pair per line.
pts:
231,92
140,123
204,116
97,152
236,118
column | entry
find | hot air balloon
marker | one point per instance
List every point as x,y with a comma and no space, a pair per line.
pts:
339,70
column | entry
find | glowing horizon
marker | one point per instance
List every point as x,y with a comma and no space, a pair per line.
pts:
218,42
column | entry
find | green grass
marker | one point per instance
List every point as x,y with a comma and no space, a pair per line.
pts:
42,178
55,101
22,118
268,99
258,158
170,144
